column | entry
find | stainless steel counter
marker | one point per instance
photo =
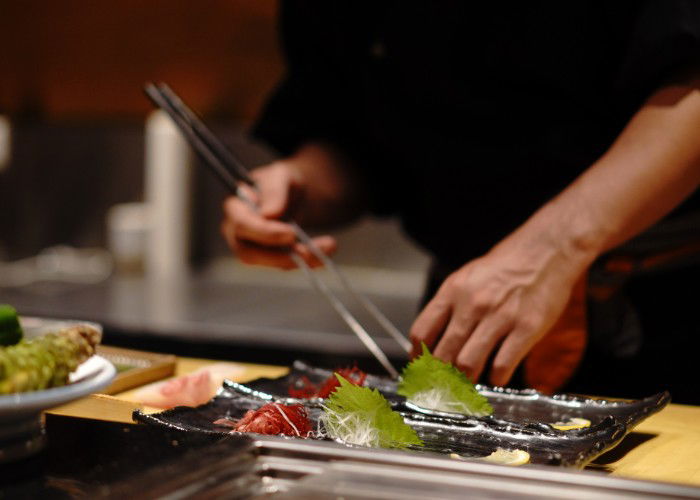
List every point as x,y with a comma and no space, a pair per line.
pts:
201,310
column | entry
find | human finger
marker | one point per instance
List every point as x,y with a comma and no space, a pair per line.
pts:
326,244
431,321
514,348
253,254
458,330
243,222
473,355
249,193
275,185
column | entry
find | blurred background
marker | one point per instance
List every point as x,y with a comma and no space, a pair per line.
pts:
104,214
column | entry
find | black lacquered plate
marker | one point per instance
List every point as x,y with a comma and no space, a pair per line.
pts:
521,419
524,406
468,437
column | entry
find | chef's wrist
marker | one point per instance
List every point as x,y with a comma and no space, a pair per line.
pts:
558,238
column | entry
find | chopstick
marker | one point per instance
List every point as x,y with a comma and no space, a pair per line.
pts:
235,166
232,172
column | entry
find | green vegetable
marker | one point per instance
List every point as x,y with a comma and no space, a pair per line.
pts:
428,382
362,416
45,361
10,329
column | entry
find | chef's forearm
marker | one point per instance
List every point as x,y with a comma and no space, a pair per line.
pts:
651,168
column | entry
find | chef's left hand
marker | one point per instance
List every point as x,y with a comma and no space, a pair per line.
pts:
508,299
504,301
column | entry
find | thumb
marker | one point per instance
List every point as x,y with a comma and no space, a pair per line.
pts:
275,193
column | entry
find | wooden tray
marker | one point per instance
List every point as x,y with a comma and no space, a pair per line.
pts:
136,368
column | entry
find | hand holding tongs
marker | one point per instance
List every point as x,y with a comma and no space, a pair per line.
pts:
232,172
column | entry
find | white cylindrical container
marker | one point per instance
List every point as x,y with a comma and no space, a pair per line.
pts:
128,227
168,160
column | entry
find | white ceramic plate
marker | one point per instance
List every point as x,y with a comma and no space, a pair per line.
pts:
15,406
94,374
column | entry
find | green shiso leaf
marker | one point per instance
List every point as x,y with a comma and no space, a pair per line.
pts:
360,415
435,384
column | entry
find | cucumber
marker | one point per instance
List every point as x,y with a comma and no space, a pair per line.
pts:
10,329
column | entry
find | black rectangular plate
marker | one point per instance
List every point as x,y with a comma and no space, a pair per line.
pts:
521,418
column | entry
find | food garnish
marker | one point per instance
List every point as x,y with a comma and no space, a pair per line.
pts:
274,419
571,424
362,416
431,383
500,456
508,457
46,361
305,389
10,329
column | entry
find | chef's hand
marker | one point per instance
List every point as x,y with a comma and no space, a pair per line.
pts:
506,301
261,237
503,302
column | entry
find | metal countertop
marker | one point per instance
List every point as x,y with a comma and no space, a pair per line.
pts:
198,309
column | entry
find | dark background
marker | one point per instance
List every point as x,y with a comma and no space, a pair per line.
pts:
71,83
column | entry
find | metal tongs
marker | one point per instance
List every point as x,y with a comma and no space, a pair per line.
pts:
233,173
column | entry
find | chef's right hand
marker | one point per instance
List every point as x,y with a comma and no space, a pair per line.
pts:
261,237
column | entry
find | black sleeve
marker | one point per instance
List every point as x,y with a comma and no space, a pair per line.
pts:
313,101
320,97
665,43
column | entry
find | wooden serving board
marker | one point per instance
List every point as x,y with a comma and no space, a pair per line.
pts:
136,368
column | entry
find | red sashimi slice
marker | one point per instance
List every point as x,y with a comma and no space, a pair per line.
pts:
353,375
273,418
305,389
